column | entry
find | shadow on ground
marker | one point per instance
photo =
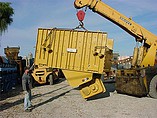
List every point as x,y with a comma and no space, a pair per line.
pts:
110,87
51,99
5,105
14,92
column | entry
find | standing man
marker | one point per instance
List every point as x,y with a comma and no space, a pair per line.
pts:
27,86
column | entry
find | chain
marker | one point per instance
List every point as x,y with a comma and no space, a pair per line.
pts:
81,25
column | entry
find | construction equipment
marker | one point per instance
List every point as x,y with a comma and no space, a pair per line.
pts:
141,79
83,56
12,55
11,69
8,75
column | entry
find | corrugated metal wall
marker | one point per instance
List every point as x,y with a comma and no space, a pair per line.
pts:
71,49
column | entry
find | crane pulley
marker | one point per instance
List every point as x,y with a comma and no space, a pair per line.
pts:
80,15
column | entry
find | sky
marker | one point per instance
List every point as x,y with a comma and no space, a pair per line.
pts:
33,14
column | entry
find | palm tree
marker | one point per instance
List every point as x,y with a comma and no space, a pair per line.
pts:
6,13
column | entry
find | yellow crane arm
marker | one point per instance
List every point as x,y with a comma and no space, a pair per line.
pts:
149,40
134,29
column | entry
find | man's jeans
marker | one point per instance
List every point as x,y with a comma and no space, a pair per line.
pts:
27,100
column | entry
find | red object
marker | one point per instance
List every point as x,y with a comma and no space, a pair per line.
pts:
80,15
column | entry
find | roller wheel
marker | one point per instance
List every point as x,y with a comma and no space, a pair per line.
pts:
51,79
153,88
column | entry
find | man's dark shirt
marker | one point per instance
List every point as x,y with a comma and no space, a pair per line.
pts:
26,82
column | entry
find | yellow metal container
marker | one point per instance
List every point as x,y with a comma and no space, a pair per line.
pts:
78,53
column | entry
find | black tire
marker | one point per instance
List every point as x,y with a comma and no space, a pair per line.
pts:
51,79
153,87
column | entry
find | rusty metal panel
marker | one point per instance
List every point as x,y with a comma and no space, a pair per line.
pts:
72,49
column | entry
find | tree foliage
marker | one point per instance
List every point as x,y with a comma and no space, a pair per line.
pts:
6,13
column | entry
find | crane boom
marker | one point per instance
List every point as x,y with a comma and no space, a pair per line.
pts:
140,33
136,30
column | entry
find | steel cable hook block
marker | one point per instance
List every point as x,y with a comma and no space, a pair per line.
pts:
80,15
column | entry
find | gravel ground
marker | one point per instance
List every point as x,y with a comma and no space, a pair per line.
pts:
62,101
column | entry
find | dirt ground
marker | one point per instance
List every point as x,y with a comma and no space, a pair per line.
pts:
62,101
